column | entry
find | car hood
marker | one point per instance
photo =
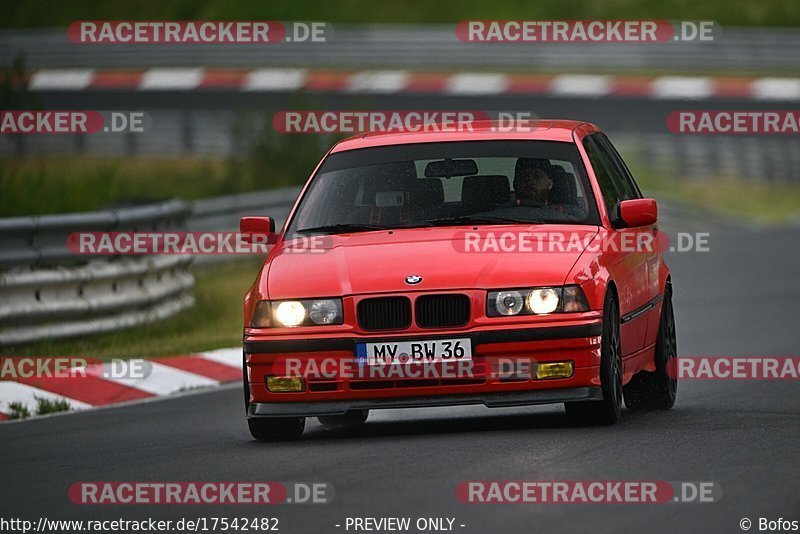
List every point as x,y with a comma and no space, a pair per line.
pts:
379,262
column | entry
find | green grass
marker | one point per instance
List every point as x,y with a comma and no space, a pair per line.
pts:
760,201
61,185
24,13
17,410
45,406
58,185
214,322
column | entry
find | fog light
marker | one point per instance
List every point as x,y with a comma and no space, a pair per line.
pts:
553,370
285,384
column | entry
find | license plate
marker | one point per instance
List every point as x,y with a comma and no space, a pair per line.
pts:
417,351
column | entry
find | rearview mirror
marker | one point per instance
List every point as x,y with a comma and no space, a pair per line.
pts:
638,212
451,167
257,225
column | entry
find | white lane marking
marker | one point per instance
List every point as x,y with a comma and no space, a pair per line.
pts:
776,88
171,79
468,83
275,79
683,87
61,79
231,356
581,85
16,392
378,81
164,380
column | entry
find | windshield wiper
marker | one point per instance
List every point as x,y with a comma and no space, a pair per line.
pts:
480,219
342,228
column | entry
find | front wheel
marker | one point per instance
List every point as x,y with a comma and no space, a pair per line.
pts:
606,411
276,428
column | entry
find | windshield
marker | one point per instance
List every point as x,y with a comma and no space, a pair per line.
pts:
443,184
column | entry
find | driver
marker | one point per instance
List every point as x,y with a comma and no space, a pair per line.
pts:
532,187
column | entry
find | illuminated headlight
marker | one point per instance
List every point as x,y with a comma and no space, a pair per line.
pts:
536,301
290,313
307,312
545,300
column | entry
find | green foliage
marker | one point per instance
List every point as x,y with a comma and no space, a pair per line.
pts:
17,410
45,406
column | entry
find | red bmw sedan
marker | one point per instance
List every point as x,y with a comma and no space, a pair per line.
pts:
461,267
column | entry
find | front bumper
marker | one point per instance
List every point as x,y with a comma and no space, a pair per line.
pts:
575,341
490,400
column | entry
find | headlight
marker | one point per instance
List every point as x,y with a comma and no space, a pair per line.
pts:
508,302
545,300
324,311
537,300
290,313
306,312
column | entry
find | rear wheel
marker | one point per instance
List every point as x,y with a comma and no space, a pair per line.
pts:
606,411
349,419
657,390
276,428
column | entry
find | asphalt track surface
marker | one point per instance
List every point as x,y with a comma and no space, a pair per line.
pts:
739,299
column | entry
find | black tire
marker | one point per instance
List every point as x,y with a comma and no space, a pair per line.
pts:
276,428
350,419
657,390
606,411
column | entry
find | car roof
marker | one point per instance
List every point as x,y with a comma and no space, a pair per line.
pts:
545,130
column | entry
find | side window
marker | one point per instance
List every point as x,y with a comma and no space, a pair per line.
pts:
627,177
604,170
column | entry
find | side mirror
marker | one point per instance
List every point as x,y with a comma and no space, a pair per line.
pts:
257,225
638,212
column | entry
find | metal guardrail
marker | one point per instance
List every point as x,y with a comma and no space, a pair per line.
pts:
45,294
99,297
421,46
42,240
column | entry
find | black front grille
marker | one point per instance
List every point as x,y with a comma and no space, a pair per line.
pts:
439,311
385,313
